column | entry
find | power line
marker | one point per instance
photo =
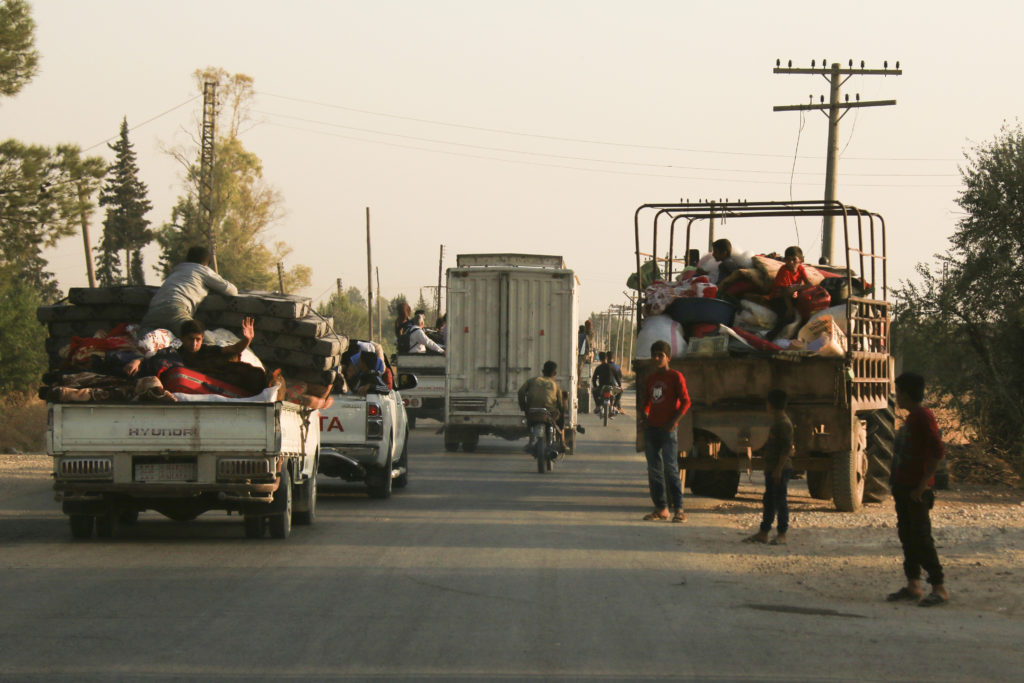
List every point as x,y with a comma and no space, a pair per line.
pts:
503,131
591,159
140,125
574,168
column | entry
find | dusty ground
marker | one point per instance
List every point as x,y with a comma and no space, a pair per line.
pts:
979,531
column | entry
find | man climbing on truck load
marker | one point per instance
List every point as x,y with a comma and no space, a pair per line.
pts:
542,392
665,400
183,290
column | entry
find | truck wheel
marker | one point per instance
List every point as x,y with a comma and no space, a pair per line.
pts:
412,421
81,526
127,516
819,484
881,435
402,480
105,524
451,440
849,472
470,441
380,485
280,523
305,501
254,526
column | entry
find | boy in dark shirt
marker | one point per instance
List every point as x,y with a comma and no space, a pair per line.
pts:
918,452
777,471
664,401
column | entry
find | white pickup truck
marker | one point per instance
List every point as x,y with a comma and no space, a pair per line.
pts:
366,438
112,461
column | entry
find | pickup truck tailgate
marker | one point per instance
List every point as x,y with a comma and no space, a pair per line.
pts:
174,428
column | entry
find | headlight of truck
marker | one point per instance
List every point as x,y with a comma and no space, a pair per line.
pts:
85,468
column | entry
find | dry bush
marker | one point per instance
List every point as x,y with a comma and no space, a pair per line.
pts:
22,424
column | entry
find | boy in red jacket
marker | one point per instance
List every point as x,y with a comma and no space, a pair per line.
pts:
664,401
918,452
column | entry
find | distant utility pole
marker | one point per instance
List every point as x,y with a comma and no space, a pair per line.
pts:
835,76
440,264
206,167
369,276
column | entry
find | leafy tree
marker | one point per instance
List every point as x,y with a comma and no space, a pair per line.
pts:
125,226
245,207
84,176
19,60
22,354
348,309
963,323
40,203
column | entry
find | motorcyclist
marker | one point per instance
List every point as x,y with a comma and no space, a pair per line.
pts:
607,374
542,392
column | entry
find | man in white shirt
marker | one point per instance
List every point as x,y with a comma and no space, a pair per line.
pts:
419,342
183,290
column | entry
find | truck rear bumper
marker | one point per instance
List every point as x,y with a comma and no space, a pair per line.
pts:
92,491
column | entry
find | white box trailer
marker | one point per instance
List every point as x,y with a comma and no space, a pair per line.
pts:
507,315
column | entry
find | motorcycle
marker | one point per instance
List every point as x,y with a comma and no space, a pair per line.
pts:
545,437
607,402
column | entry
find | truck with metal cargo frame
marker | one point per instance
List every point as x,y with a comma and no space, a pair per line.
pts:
507,315
841,407
112,461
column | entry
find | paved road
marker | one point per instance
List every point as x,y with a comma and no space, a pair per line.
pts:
480,569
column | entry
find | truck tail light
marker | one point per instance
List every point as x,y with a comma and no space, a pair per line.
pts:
374,422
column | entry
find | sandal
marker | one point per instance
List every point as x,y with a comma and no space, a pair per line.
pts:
932,600
679,517
902,594
655,517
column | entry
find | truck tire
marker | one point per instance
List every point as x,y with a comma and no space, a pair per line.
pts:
412,421
379,485
819,484
304,512
280,522
127,516
451,440
81,525
106,524
402,480
470,441
254,526
849,472
881,435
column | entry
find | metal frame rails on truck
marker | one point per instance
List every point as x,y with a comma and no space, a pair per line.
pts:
507,315
841,407
114,460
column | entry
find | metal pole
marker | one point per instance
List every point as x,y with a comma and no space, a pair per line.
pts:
830,164
380,332
280,277
89,269
369,277
440,263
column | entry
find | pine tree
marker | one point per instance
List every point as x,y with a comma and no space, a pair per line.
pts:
125,227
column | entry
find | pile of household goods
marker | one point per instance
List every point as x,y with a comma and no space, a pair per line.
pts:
94,335
700,315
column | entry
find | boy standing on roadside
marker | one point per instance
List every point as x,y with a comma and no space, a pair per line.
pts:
918,452
664,401
777,471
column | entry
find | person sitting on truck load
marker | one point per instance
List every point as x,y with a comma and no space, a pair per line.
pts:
721,251
789,281
542,392
917,454
777,471
664,401
368,379
417,341
222,362
403,319
183,290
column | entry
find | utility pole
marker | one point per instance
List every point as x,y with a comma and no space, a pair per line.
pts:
206,144
836,76
369,277
380,331
440,263
339,287
280,277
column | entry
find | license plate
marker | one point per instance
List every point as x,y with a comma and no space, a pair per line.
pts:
166,471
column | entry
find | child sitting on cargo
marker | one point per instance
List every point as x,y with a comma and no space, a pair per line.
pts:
791,279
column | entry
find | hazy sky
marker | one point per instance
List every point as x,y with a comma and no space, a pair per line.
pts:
532,126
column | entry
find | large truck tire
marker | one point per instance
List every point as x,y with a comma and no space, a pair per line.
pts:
81,525
849,471
304,511
451,440
470,440
379,484
881,434
819,484
280,521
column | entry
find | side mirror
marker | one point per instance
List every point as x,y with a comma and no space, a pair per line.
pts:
407,380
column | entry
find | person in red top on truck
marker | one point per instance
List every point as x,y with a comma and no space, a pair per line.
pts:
790,279
664,401
918,452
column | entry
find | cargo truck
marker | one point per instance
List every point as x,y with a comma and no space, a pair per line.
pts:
507,315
